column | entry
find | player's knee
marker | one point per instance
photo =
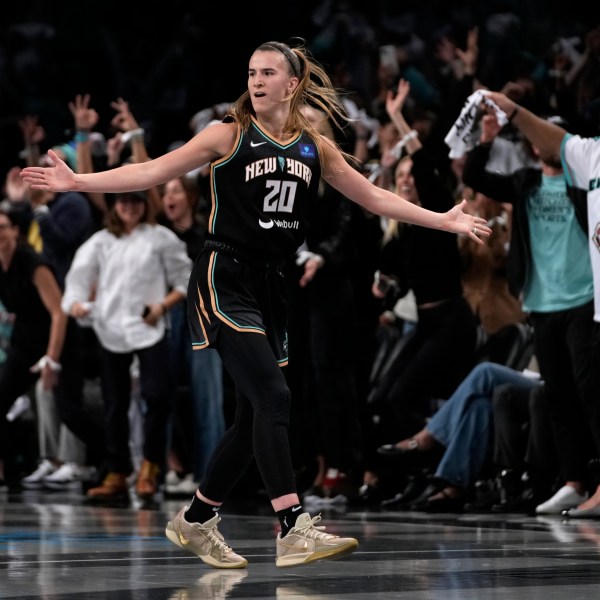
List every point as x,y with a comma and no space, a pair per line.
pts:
275,406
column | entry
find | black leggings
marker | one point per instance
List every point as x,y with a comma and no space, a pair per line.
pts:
564,350
116,392
260,427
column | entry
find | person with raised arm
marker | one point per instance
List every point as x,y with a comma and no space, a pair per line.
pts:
580,158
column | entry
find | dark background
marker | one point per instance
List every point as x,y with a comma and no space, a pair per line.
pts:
172,59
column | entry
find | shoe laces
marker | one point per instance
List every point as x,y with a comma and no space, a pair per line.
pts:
216,538
314,532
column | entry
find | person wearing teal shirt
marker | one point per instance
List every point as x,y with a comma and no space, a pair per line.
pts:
550,270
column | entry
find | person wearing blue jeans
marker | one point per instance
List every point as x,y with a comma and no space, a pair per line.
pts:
464,425
197,417
204,372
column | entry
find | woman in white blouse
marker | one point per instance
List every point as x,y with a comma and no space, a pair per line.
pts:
123,280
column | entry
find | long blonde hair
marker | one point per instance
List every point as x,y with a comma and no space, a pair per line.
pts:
314,89
394,228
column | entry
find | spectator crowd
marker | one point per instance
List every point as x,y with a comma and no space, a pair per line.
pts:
443,364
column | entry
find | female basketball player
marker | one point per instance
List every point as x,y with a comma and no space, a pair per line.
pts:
266,160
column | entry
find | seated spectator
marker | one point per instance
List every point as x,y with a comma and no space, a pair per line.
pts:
464,427
524,449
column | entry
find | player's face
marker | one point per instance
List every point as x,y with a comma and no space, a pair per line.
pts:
269,82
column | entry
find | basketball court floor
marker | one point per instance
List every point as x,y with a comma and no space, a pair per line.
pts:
56,546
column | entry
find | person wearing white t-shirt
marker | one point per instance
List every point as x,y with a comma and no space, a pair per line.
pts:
580,157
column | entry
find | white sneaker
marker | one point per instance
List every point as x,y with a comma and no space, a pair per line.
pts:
171,478
567,497
180,486
69,476
316,503
36,479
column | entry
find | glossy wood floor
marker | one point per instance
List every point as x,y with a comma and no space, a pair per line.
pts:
55,546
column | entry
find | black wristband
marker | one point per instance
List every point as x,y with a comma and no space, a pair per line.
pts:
513,113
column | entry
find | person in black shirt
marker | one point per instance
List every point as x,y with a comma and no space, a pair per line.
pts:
31,295
440,351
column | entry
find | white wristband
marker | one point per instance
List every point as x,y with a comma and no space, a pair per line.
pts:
305,255
130,135
42,209
46,360
411,135
397,149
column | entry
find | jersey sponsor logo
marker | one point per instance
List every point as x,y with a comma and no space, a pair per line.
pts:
279,223
255,144
307,151
266,224
287,224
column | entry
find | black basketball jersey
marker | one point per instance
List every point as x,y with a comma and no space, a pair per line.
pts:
261,192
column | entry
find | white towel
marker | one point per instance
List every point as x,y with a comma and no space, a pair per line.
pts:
459,138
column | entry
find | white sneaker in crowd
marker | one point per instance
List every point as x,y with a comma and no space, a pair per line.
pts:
566,497
69,476
180,486
36,479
